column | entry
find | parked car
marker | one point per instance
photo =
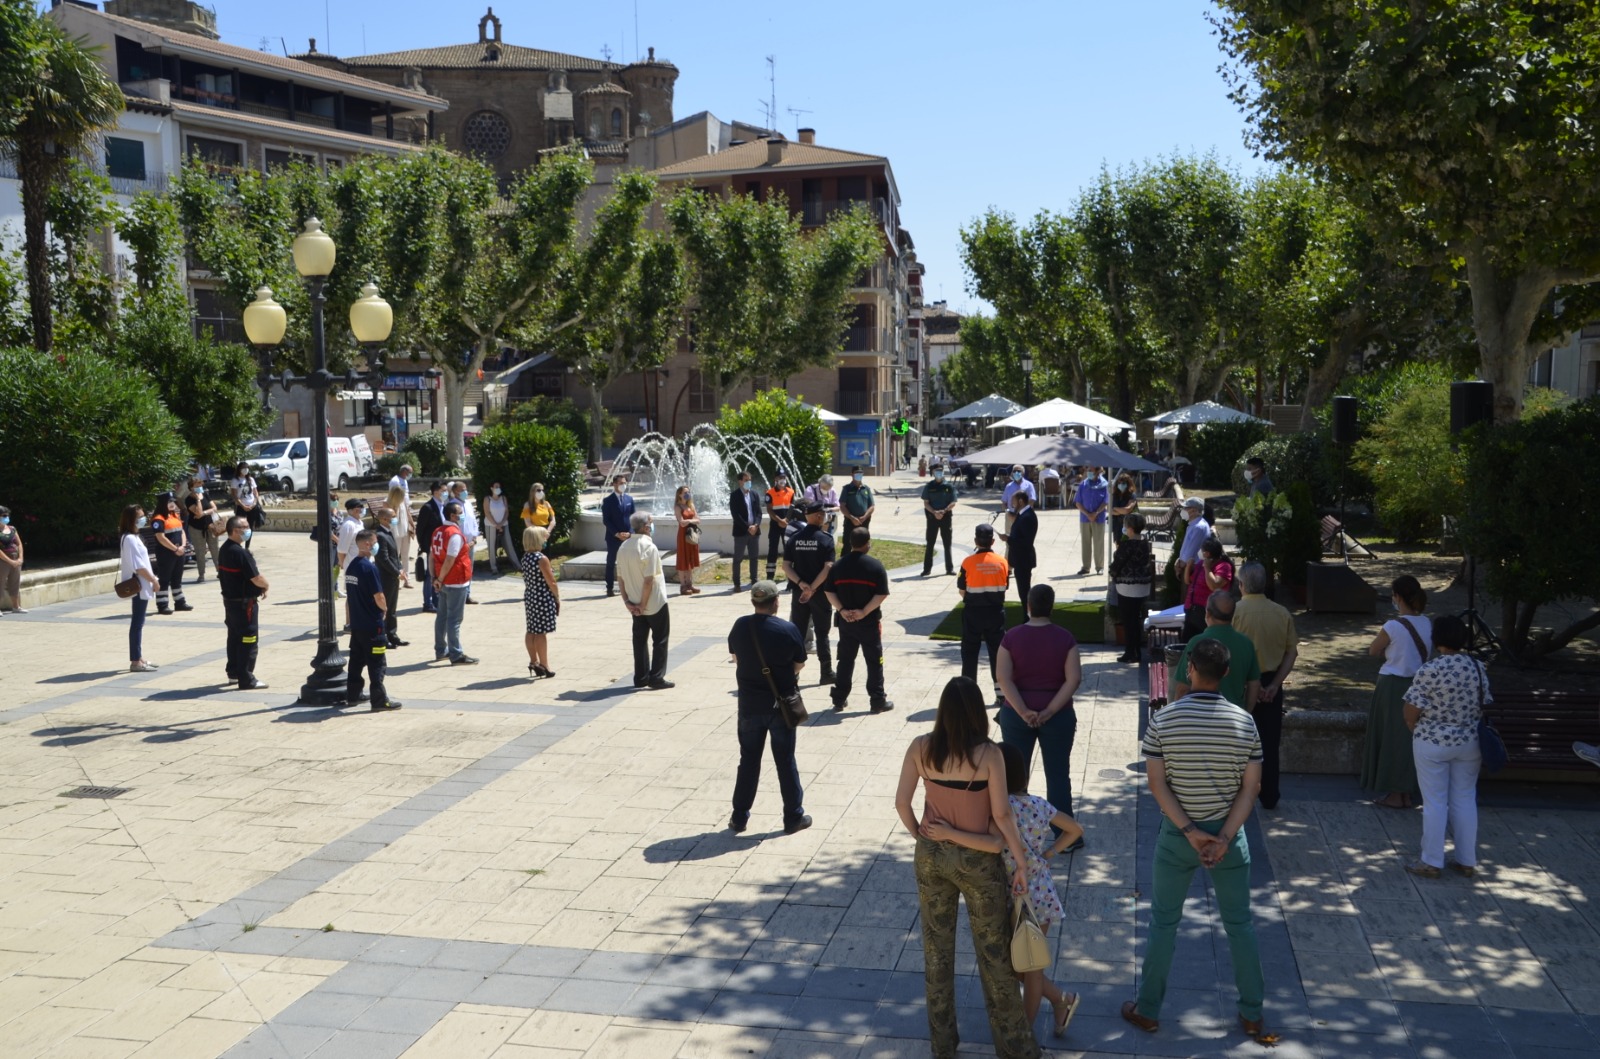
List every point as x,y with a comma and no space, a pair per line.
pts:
286,463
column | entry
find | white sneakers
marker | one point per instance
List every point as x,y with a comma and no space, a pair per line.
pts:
142,667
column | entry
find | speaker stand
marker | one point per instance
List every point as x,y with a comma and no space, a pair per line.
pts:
1482,643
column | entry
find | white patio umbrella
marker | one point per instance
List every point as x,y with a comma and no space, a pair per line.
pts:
985,408
823,414
1059,412
1203,412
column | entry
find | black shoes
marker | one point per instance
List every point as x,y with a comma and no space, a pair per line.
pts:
1075,847
827,676
251,684
660,685
385,708
358,700
799,823
397,642
472,602
463,660
183,606
610,592
883,707
737,823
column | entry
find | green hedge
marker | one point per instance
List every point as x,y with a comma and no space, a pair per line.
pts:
389,463
432,447
1290,458
80,437
778,414
518,454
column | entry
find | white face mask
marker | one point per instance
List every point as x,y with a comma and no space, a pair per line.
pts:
539,495
617,489
495,490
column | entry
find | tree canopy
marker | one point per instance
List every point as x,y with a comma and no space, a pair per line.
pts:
1469,122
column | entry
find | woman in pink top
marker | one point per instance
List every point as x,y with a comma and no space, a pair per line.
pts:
1039,672
964,786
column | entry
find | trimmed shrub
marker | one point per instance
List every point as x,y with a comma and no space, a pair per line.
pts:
389,463
432,447
80,437
518,454
1291,458
1217,447
778,414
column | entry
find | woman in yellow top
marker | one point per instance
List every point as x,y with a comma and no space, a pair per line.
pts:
538,512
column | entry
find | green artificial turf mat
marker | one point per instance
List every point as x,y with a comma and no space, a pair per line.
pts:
1085,621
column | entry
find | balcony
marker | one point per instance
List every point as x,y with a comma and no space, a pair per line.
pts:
154,180
816,212
863,402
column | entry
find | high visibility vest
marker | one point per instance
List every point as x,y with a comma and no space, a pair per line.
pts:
780,499
987,576
460,572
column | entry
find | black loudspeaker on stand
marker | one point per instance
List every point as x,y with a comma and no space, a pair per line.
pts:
1472,403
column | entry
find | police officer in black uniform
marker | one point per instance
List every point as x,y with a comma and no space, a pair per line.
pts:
857,586
807,558
243,589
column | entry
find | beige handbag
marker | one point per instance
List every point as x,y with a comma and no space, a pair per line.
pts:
1029,949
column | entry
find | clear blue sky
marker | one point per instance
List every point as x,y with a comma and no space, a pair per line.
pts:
1010,103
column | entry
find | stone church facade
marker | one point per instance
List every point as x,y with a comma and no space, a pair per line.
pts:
508,103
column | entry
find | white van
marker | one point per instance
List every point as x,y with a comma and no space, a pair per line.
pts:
286,463
364,457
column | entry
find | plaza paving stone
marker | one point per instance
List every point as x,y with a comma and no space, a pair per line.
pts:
518,869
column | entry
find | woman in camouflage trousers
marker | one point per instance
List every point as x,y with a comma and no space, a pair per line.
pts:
964,786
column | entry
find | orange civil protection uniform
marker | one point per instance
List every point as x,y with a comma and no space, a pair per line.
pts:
984,577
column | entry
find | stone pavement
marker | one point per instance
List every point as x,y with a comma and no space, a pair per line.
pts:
518,869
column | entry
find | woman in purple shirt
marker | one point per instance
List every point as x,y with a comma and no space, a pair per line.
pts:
1039,672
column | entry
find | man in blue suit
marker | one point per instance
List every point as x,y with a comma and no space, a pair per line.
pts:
746,530
615,511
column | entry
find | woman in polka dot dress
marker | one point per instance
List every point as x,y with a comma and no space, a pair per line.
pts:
541,600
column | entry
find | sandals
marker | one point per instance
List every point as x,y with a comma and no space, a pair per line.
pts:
1063,1021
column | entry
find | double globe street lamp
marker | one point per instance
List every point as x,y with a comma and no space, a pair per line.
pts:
371,320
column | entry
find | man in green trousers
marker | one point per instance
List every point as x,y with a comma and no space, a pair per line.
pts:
1203,756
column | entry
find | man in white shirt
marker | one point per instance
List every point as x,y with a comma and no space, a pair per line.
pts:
497,525
354,511
644,594
469,525
402,482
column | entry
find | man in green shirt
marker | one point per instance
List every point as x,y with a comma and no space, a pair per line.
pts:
1242,685
938,506
856,499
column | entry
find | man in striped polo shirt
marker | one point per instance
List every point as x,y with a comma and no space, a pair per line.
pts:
1203,756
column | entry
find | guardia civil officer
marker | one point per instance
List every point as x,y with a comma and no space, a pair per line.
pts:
807,557
369,641
983,581
243,589
856,587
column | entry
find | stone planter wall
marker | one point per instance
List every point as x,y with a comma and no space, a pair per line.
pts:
1323,742
66,583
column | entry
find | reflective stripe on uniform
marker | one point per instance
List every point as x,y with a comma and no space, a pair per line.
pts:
379,650
247,639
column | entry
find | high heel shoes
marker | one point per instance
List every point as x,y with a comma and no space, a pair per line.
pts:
543,672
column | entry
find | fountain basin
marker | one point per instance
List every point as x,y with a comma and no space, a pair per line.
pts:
716,532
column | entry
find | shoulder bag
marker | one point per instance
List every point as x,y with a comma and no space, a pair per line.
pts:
1416,638
1029,949
791,705
127,589
1490,745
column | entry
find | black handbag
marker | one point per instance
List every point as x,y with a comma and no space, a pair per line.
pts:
792,706
1490,745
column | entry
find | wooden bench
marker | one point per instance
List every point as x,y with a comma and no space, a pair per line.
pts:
1163,527
1539,727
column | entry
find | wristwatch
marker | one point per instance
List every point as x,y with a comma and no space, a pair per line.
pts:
1186,828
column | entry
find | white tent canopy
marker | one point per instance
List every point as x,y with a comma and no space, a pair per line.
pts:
823,414
1059,412
990,407
1204,412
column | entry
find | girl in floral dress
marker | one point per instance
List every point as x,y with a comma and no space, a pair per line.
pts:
1034,817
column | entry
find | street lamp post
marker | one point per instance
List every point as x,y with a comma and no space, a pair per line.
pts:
371,320
1027,379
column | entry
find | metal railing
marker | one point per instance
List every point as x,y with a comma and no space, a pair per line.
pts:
154,180
815,212
862,402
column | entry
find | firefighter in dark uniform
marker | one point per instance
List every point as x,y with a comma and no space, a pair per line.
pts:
369,640
857,586
243,589
983,582
780,502
807,557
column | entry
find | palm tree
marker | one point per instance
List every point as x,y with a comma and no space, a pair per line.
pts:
58,114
